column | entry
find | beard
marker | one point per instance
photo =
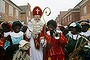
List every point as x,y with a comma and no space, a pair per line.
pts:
37,27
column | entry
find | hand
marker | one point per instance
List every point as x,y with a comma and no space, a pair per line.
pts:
11,49
25,47
43,43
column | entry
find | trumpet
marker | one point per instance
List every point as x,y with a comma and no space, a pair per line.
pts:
56,33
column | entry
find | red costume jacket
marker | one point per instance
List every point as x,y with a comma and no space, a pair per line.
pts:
56,46
2,42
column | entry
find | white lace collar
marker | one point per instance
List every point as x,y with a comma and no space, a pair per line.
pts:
17,34
75,37
6,34
85,33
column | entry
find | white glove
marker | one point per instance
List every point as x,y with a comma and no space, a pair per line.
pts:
24,45
43,42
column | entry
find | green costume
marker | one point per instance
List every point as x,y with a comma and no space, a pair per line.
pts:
74,43
86,32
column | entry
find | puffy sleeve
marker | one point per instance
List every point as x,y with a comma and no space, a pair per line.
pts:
63,39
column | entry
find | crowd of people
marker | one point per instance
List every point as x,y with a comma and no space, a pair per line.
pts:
39,41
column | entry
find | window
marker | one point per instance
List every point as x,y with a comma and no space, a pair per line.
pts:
10,10
29,13
70,17
27,19
84,10
66,20
2,6
16,13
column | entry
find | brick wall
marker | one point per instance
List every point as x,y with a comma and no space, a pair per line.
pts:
75,16
27,15
6,17
87,16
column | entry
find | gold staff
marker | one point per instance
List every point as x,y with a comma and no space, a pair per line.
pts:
46,12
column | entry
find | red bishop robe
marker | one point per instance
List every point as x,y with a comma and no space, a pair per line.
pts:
37,40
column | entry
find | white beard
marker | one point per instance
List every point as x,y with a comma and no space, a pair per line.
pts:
36,27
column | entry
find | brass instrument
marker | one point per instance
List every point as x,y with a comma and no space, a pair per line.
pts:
56,34
76,51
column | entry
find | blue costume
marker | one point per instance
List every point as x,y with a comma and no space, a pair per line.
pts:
13,39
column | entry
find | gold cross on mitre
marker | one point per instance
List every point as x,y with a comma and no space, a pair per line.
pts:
37,10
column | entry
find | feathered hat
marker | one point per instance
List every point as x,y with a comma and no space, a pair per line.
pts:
16,23
52,24
84,23
75,25
6,27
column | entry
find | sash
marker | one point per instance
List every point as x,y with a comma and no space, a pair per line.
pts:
37,41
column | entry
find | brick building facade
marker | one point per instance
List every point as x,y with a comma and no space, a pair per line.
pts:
74,14
62,13
85,9
71,16
9,11
58,20
25,13
80,12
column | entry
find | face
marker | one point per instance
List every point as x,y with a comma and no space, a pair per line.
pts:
73,30
37,18
17,29
50,27
1,35
84,28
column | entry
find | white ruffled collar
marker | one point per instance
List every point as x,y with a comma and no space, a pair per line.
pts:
17,34
85,33
7,33
48,32
75,37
